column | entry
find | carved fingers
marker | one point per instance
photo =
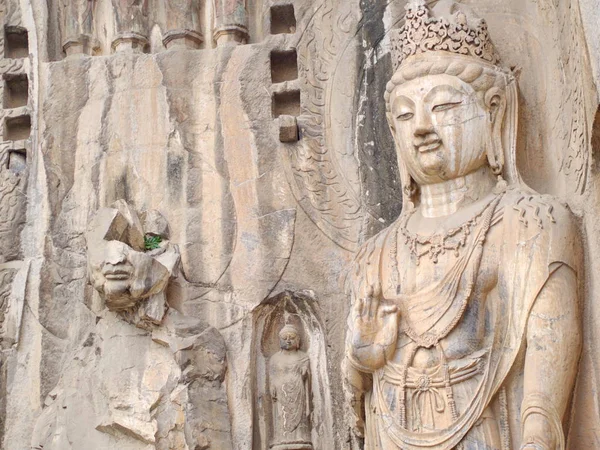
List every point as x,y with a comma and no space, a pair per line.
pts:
375,329
371,307
376,321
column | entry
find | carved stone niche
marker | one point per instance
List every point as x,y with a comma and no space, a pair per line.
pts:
13,200
292,400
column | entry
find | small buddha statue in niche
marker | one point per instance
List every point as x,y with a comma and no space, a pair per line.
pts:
465,330
290,389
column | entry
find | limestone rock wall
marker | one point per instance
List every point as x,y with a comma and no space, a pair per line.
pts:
182,107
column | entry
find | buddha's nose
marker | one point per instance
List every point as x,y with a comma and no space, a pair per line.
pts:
423,123
115,255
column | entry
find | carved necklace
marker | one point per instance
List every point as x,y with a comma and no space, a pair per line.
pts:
434,245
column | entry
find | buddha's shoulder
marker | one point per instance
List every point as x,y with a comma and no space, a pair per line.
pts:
531,209
530,215
374,244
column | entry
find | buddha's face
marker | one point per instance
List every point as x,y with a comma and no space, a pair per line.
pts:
289,341
441,127
122,274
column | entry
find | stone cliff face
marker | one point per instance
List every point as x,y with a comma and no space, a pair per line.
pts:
257,129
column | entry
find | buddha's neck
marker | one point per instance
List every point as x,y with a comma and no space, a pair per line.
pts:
443,199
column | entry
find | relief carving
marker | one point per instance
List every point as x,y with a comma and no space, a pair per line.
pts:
292,388
129,267
324,174
182,24
231,22
13,202
464,331
147,376
13,207
291,396
6,278
575,163
77,26
131,25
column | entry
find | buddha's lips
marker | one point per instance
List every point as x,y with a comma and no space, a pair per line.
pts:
429,146
117,274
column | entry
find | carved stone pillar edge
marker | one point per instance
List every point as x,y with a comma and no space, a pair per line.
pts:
185,38
231,35
83,44
130,41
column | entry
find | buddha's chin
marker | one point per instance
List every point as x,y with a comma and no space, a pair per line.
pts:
117,295
432,164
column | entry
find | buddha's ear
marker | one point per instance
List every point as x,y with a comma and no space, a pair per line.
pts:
392,126
495,102
390,121
408,185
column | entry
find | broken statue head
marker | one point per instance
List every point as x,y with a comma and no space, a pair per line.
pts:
130,261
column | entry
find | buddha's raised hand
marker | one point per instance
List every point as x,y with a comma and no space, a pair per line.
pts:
375,329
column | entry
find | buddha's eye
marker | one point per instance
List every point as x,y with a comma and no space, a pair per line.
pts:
445,106
405,116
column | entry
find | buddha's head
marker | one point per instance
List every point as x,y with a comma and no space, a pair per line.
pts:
446,101
289,338
120,265
122,274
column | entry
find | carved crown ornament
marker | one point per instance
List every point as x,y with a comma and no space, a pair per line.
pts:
422,33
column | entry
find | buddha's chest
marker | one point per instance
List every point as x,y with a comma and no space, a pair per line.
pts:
408,267
445,294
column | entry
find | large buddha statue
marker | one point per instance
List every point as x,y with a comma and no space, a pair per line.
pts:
464,331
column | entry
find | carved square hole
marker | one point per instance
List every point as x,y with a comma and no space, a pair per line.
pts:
17,161
284,66
17,128
16,42
16,92
283,19
286,103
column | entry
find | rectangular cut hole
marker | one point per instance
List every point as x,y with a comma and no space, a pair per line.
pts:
15,91
286,103
16,42
17,160
17,128
283,19
284,66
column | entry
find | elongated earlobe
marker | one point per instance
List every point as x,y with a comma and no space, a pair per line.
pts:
495,101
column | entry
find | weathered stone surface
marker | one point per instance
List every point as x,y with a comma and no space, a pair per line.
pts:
290,389
149,380
175,107
288,129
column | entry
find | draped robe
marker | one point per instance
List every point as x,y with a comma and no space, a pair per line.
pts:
537,236
289,380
